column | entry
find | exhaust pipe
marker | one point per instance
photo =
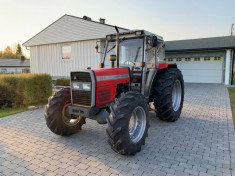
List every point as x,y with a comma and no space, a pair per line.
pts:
117,45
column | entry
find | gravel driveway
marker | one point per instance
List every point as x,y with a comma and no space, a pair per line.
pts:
201,142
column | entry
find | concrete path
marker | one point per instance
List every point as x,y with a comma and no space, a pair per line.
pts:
201,142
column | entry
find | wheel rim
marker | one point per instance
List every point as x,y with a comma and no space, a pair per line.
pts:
137,124
67,118
176,95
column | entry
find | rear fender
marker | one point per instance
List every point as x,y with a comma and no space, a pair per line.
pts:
152,76
166,65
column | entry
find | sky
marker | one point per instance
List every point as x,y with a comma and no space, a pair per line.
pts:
172,19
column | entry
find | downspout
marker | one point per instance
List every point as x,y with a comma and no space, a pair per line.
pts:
232,67
228,67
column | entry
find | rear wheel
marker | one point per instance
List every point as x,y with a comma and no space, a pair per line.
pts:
128,123
168,94
57,116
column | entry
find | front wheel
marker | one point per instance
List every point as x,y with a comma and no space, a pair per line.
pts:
128,123
168,94
57,116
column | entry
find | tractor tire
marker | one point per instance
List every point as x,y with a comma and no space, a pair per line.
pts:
124,135
58,120
168,94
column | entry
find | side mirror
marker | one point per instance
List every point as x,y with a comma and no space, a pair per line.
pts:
96,48
154,41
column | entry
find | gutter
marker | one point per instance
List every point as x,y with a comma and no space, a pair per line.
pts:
199,49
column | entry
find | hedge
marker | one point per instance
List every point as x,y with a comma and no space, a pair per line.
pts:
63,82
20,90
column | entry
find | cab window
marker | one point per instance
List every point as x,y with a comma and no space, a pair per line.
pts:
150,58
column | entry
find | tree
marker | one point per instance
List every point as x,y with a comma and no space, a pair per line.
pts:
7,53
8,50
15,53
18,50
14,48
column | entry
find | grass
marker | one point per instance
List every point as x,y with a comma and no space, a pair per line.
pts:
11,111
231,91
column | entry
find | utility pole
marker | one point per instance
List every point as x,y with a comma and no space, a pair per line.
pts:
232,28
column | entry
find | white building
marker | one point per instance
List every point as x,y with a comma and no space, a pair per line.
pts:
8,65
68,45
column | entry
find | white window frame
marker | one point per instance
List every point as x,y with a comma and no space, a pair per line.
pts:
61,52
179,59
217,58
187,59
207,58
170,60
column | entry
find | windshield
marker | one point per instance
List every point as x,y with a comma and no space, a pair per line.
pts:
130,52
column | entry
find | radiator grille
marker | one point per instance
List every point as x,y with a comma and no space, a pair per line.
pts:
104,94
81,76
81,97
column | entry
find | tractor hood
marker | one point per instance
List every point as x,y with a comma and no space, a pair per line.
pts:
111,76
107,80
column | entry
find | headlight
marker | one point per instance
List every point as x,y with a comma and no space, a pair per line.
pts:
81,86
86,86
75,85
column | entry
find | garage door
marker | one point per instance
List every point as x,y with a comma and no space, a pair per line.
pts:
200,70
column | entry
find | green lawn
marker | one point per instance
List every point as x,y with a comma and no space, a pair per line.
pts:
231,91
10,111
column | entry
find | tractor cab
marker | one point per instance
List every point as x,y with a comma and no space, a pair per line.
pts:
140,51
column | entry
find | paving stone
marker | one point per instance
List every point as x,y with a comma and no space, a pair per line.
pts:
82,166
201,142
20,169
49,173
191,171
82,172
92,170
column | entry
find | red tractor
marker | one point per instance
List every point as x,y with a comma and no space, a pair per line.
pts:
131,75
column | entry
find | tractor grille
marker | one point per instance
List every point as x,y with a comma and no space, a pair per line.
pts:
81,76
81,97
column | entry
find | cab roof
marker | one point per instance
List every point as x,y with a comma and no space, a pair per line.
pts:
137,33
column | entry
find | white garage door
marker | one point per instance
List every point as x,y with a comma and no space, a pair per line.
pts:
200,70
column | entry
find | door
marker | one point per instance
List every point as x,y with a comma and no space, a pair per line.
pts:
200,69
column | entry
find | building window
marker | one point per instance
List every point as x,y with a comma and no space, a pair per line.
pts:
170,60
178,59
3,70
197,59
207,58
217,58
25,70
66,52
187,59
